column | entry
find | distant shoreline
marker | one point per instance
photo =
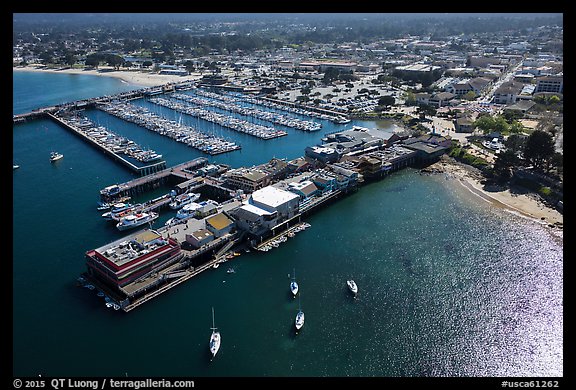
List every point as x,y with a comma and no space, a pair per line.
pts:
138,78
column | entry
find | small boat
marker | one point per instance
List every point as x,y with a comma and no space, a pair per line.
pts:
55,156
101,206
299,322
116,209
352,286
14,166
216,265
214,338
294,284
230,270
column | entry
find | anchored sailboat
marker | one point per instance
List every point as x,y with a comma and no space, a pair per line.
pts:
214,338
294,284
299,322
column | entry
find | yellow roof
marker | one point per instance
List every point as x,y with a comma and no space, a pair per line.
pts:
219,221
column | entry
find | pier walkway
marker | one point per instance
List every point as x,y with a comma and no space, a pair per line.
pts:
140,184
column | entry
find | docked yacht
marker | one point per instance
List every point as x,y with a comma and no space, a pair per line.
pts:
352,286
55,156
150,155
115,209
188,210
135,220
181,200
342,120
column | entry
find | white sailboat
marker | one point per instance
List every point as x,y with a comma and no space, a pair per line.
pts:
214,338
299,322
294,284
352,286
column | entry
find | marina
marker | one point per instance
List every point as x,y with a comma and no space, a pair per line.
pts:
194,138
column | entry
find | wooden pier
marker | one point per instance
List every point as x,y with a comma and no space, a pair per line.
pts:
153,180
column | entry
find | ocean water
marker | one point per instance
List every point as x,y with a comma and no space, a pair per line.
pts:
449,286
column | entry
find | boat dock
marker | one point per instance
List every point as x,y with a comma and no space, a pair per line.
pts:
154,180
141,170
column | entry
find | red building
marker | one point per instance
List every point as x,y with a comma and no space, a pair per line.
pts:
133,257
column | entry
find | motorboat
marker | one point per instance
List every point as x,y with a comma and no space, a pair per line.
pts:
215,338
181,200
352,286
14,166
188,210
150,156
55,156
135,220
116,209
103,206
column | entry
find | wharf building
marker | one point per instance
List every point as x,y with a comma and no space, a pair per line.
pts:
257,177
117,265
356,140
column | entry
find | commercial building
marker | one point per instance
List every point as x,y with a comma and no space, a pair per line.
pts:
123,261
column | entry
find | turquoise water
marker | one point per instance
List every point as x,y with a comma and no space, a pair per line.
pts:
449,285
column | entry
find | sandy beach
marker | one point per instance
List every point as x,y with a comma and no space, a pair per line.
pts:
514,199
136,77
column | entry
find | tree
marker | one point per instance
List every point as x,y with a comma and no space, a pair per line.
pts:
516,127
147,64
410,98
470,95
488,123
386,100
539,149
70,59
115,61
426,109
189,65
93,60
46,57
557,161
503,164
515,143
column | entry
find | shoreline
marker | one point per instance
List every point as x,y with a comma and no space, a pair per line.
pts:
510,199
136,77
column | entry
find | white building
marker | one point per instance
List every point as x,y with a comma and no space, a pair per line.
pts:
254,219
272,199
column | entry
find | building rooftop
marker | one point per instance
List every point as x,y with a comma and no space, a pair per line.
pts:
219,221
272,196
133,246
